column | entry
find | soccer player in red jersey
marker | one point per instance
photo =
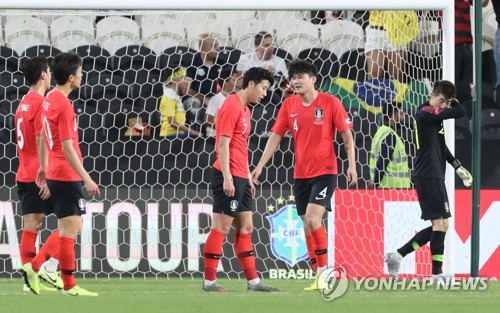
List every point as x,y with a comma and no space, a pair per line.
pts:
312,118
231,185
34,200
65,171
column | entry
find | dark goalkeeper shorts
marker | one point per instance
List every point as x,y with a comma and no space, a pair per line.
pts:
317,190
67,198
31,203
222,204
433,198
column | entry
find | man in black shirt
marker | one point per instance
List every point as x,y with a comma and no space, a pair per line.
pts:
428,177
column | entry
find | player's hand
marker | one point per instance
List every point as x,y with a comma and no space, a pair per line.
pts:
92,188
41,179
228,187
352,176
370,184
464,175
44,192
254,176
252,188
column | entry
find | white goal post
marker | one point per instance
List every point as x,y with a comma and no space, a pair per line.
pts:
151,212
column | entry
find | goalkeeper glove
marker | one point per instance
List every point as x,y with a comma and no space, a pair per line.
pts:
464,174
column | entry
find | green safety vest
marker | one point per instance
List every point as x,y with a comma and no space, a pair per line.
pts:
397,173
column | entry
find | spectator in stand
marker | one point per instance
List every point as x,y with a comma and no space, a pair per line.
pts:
264,57
463,48
230,80
171,107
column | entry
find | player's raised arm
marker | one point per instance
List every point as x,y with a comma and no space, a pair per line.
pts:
352,175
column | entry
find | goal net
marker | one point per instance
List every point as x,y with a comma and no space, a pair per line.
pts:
155,210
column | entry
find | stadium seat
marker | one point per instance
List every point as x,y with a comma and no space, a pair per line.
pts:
284,55
90,122
243,33
114,32
160,32
116,116
107,85
340,36
175,55
12,87
352,65
45,50
217,31
133,57
296,35
490,124
232,55
326,62
229,18
69,32
9,60
280,15
24,32
95,59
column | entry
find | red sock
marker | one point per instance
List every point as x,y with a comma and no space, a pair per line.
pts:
67,261
246,256
310,251
27,247
212,253
48,250
236,238
320,246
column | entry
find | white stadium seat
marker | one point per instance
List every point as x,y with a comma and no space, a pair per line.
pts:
340,36
115,32
243,33
297,35
160,32
24,32
218,31
69,32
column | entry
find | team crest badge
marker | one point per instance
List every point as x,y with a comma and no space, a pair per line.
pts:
318,113
81,203
233,205
288,242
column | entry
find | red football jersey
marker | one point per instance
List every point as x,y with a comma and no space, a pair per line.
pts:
59,123
313,129
233,121
28,125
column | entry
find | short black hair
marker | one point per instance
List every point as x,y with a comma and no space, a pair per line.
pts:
445,88
389,109
302,67
64,65
33,67
261,36
256,75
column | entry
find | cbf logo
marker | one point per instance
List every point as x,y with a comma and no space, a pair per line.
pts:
287,235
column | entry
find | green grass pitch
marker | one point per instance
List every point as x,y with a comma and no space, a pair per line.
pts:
175,295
